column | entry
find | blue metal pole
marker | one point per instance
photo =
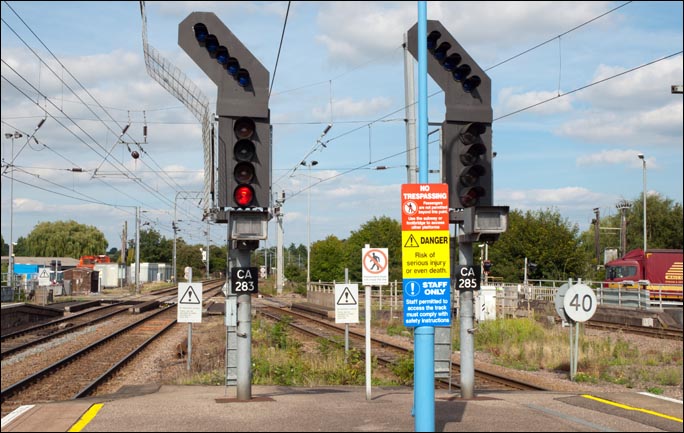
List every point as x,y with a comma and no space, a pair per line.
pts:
422,94
424,336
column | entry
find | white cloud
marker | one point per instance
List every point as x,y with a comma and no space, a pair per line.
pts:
509,101
28,205
631,110
356,32
645,88
348,108
542,198
626,157
660,126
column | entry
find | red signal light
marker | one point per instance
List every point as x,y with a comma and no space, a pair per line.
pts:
244,194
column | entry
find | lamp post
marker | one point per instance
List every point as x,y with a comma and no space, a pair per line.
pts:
308,225
174,224
643,160
10,261
175,231
208,250
137,250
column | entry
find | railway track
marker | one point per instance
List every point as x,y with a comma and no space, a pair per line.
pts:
81,371
386,353
665,333
28,337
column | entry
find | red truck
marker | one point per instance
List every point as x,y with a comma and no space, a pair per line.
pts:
661,268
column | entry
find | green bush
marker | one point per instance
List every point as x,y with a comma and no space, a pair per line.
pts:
403,369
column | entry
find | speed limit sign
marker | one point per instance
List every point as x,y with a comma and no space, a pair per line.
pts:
579,303
467,278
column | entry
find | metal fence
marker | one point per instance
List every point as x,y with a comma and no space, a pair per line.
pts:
508,296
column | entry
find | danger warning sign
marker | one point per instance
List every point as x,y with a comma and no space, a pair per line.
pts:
425,254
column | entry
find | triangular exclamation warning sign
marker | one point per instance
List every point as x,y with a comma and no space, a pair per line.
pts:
411,242
346,298
190,297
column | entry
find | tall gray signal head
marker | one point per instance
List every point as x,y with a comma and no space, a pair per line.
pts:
244,142
467,129
241,79
467,88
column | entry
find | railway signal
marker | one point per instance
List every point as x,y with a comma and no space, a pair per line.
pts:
244,162
248,174
466,163
487,266
244,138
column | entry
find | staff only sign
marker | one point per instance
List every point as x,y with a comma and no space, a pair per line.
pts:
425,254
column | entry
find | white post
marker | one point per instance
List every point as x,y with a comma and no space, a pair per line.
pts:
368,339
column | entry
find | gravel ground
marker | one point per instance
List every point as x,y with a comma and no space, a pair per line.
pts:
160,364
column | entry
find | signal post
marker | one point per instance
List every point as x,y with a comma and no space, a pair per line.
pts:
244,161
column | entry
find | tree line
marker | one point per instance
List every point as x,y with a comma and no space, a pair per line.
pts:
557,248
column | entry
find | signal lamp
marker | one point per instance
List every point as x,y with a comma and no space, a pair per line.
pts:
487,266
472,132
461,73
471,156
233,66
244,150
452,61
244,172
243,194
243,78
471,83
471,175
441,51
222,55
201,32
471,197
244,128
432,39
211,43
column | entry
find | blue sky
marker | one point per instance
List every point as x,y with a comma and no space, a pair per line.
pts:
340,63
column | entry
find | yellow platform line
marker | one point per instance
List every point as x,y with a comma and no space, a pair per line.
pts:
637,409
87,417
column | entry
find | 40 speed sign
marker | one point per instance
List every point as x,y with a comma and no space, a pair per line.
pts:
580,303
467,278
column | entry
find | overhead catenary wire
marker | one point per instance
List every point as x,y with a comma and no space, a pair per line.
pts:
280,46
539,45
95,141
64,68
77,127
109,185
